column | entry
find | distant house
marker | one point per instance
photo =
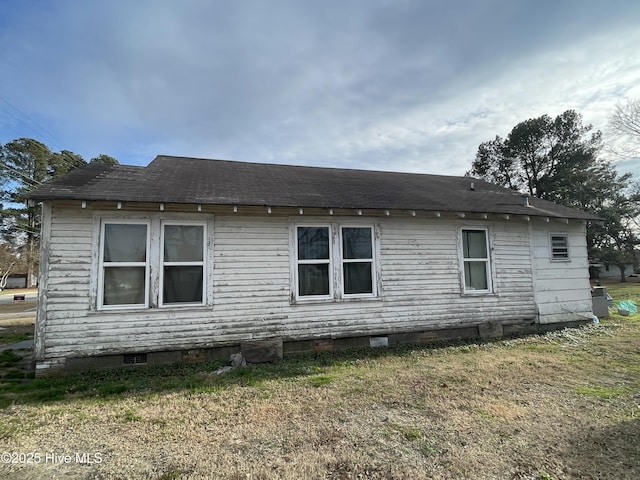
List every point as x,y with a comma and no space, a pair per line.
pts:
611,271
190,259
17,280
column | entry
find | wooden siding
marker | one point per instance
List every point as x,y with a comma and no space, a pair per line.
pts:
420,287
563,291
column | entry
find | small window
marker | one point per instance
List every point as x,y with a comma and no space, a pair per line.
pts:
182,264
357,260
475,258
313,261
124,265
559,247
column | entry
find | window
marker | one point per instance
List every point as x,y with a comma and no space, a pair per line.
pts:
124,260
182,264
314,260
334,253
475,259
152,263
357,260
559,247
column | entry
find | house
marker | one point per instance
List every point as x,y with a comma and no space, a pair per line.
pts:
607,271
190,259
16,280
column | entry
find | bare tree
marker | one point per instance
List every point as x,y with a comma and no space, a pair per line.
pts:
7,262
624,123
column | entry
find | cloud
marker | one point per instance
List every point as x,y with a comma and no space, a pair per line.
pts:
401,85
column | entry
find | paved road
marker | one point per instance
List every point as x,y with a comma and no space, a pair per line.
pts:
7,295
24,345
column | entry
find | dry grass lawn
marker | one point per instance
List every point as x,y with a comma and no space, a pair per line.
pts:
560,406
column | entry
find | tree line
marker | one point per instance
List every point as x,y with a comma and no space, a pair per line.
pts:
559,159
25,164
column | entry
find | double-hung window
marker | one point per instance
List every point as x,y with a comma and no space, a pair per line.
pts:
357,260
152,263
475,259
182,272
314,261
334,261
124,265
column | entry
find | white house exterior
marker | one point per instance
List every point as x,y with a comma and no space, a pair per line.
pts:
158,264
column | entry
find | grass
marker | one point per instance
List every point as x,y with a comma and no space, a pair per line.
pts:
564,405
624,291
18,307
8,358
602,392
16,333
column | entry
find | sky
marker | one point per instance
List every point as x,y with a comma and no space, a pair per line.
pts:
401,85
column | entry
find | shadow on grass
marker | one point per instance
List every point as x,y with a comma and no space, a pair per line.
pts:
610,452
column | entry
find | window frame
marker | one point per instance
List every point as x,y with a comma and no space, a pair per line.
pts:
488,261
552,257
336,280
153,220
101,265
323,261
370,260
202,263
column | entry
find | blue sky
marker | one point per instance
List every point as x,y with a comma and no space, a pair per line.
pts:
377,84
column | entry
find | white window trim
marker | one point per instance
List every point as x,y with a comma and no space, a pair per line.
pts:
101,264
336,281
371,260
551,257
202,263
153,222
488,261
313,261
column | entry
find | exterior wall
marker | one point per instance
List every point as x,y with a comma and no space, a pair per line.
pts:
563,291
419,281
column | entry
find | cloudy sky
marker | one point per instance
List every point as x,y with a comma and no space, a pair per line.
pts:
378,84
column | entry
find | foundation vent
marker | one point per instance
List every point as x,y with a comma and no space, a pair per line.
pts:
135,358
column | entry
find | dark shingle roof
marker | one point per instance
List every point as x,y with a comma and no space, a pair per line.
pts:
220,182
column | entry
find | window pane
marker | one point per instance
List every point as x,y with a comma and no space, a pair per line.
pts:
182,284
475,276
313,243
356,243
474,244
357,278
125,243
124,286
183,243
313,279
